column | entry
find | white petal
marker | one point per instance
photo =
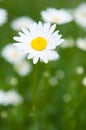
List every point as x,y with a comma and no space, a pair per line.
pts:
35,59
48,55
34,30
20,46
45,60
22,34
53,55
46,26
40,25
52,46
30,56
52,28
26,31
20,39
55,34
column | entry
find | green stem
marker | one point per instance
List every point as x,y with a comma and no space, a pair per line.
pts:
34,96
46,94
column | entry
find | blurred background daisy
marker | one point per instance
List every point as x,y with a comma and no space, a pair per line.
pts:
58,16
3,16
80,15
21,22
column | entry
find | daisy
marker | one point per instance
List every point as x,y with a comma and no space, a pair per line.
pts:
84,81
2,97
10,97
23,68
4,114
12,54
81,43
58,16
3,16
39,41
53,81
21,22
80,15
79,70
67,98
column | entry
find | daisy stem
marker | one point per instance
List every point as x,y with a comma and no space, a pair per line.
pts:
34,96
46,98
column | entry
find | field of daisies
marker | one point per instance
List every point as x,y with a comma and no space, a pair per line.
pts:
42,65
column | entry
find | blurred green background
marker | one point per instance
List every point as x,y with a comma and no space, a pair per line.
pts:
58,107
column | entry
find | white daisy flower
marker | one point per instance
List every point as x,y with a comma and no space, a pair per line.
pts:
80,15
12,54
2,97
39,41
81,43
53,81
4,114
13,81
12,97
79,70
67,98
3,16
23,68
21,22
84,81
58,16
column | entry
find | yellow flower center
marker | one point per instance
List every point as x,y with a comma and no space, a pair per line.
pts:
56,19
39,43
15,54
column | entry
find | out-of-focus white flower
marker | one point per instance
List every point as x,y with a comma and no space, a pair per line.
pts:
80,15
4,114
46,74
12,54
3,16
13,81
81,43
58,16
2,97
60,74
84,81
67,98
10,98
23,68
21,22
79,70
39,42
53,81
68,43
